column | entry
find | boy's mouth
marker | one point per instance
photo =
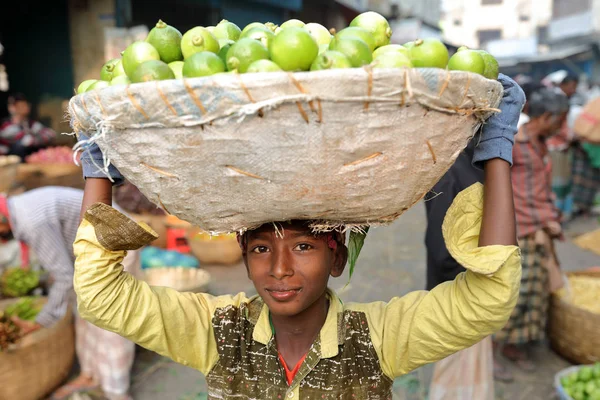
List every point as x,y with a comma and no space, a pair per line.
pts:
283,294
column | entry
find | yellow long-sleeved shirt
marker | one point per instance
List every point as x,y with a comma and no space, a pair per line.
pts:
361,347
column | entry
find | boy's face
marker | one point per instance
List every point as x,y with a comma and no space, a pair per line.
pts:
290,273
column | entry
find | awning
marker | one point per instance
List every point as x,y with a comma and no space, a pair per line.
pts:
550,56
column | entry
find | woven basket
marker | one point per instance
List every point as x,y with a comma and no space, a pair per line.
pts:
574,332
228,152
179,278
39,363
222,252
33,176
8,171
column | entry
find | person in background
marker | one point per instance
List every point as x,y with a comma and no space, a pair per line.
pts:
561,147
538,223
19,134
586,167
46,220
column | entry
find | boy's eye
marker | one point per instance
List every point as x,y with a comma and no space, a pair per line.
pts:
260,249
303,247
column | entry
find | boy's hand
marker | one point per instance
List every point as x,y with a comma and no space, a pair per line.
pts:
92,160
498,134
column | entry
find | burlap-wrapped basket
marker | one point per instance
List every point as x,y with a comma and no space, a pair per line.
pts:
228,152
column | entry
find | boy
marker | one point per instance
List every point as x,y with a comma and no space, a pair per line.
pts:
538,222
296,339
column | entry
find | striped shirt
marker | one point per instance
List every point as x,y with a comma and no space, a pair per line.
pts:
29,133
532,185
47,220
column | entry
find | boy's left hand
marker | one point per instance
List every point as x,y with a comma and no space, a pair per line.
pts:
498,133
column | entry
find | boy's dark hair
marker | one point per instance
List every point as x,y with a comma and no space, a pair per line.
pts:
547,100
14,98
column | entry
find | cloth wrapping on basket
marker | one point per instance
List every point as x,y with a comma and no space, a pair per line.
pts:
229,152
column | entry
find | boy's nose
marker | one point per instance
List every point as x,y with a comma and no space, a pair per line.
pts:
282,265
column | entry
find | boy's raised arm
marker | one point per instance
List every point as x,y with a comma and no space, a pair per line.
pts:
173,324
480,233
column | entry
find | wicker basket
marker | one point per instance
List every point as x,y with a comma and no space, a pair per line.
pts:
574,331
33,176
8,171
181,279
222,250
36,366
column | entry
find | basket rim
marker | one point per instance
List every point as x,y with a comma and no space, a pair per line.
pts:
299,74
564,303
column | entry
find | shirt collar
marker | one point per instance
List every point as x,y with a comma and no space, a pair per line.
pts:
331,334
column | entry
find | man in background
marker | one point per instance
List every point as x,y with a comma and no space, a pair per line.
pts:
46,220
19,134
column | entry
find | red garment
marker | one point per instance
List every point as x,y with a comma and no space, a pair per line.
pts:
29,133
532,186
289,375
24,247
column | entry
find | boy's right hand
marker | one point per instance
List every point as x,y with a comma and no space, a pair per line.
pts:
92,161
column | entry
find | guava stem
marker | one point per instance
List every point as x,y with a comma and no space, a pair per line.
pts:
332,31
233,63
160,24
198,40
388,32
110,67
461,48
418,42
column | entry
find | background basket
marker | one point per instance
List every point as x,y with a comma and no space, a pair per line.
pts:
574,331
216,250
39,363
228,152
562,395
8,171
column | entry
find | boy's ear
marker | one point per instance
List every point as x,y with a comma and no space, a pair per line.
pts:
340,260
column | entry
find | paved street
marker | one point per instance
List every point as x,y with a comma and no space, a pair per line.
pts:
392,263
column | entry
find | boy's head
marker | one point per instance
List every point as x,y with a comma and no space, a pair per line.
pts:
290,266
548,110
19,106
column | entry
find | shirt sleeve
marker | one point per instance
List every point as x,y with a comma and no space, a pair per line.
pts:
424,327
173,324
57,259
41,135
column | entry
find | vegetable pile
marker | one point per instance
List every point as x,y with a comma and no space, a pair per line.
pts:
266,47
583,384
26,308
17,282
583,292
52,155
